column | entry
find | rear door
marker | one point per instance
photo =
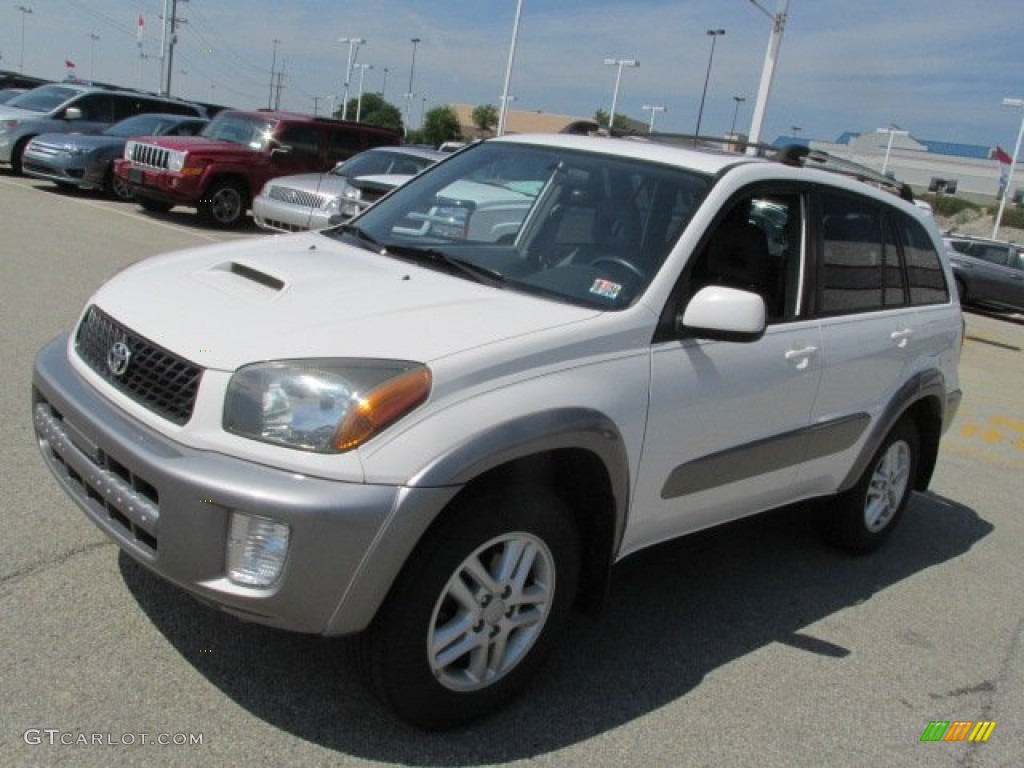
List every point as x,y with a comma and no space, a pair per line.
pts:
869,331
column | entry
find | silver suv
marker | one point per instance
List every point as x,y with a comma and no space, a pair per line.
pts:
67,107
440,424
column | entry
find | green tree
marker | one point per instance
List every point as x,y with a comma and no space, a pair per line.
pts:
601,118
485,118
375,111
441,124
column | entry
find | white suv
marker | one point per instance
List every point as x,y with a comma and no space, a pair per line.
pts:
441,424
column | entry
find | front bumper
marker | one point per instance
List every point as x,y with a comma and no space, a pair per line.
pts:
169,507
62,169
279,216
163,185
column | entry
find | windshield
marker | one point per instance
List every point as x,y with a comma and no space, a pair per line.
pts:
45,98
583,227
376,162
140,125
248,130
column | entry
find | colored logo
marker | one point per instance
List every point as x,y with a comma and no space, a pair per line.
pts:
958,730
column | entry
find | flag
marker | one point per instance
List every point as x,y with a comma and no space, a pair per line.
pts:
69,64
140,30
1002,157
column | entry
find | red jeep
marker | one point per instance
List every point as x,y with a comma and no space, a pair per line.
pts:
220,170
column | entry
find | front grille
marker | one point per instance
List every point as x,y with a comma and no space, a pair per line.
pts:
149,155
46,150
153,377
296,197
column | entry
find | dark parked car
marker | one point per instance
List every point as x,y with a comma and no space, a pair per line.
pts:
86,161
987,272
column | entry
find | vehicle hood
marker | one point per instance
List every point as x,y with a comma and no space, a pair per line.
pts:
306,296
321,183
7,112
82,140
198,144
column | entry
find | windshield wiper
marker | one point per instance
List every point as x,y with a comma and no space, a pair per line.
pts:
364,238
476,272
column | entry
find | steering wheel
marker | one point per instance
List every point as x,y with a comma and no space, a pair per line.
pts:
624,263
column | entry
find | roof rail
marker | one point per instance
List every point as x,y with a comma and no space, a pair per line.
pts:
801,156
796,155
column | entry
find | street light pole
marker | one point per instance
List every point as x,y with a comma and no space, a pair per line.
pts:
273,69
408,94
619,63
1019,104
503,116
359,102
892,130
353,50
735,113
653,109
93,37
768,70
714,34
21,59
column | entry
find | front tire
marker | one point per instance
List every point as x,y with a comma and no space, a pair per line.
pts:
476,609
116,187
224,205
866,515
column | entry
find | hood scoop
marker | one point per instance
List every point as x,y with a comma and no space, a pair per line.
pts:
243,280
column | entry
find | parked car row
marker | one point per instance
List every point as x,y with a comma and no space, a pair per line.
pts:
987,272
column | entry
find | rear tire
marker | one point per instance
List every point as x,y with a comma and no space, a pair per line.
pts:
865,516
476,609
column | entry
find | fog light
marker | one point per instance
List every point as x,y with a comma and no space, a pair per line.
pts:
257,548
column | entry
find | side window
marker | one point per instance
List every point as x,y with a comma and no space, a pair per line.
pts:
894,290
97,107
342,143
757,247
994,254
302,139
853,256
924,269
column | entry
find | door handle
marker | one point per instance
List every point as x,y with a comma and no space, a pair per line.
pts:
802,357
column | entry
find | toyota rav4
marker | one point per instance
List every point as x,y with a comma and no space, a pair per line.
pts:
439,425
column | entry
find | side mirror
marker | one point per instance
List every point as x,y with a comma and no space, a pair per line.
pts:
724,314
73,113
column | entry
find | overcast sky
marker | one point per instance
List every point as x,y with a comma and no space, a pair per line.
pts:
938,68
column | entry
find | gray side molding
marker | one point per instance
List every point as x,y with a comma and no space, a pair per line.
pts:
533,434
925,384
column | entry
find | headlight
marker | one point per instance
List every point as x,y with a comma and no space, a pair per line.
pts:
176,161
324,406
74,150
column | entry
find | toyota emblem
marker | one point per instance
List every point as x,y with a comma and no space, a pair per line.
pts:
118,357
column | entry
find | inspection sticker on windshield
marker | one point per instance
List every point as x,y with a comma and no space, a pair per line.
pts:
606,289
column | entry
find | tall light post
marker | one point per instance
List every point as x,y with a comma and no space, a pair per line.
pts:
384,85
503,115
24,12
619,63
1019,104
735,113
353,51
892,130
771,57
359,101
653,109
93,37
408,94
714,34
273,69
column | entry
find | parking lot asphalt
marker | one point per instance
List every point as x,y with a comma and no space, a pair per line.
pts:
752,644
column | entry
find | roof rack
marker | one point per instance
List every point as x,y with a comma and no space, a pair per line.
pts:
796,155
